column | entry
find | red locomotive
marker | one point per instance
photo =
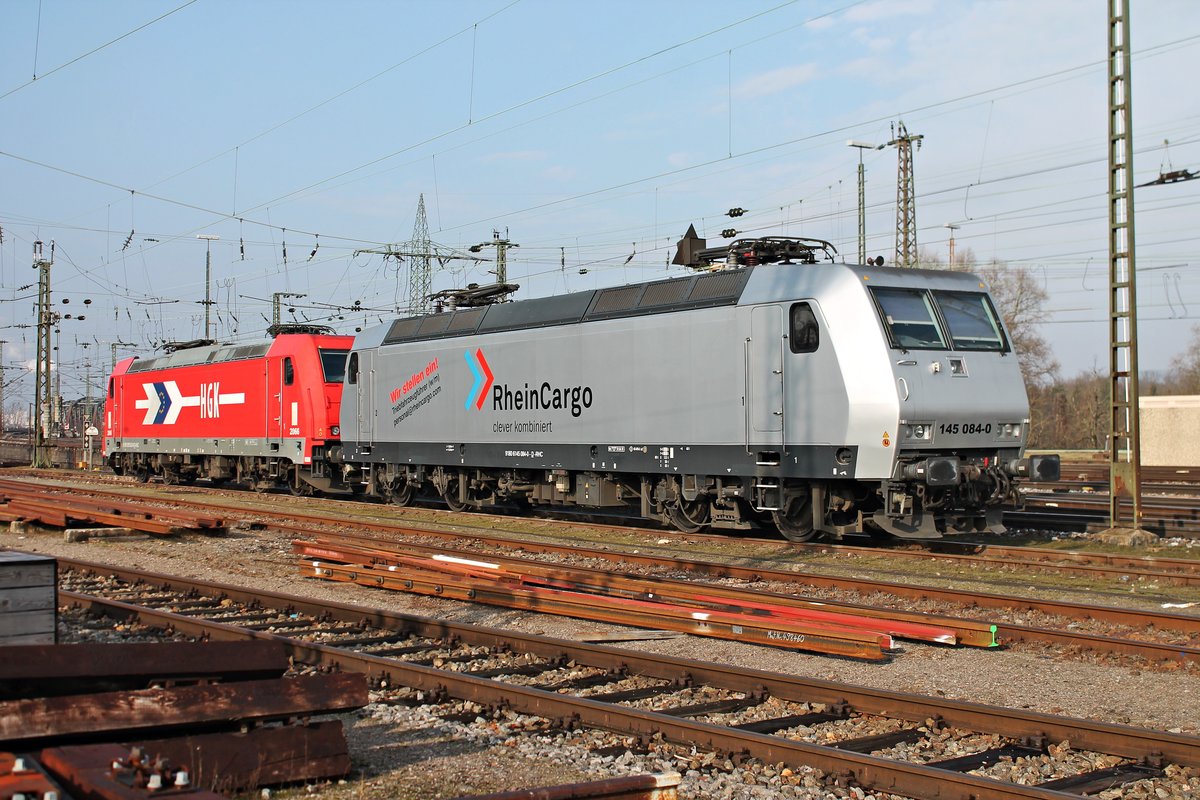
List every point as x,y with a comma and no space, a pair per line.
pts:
263,414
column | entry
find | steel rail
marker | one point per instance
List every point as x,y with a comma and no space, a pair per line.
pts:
1176,571
1177,515
870,772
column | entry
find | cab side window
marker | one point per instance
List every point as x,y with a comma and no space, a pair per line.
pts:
289,372
110,387
805,334
352,369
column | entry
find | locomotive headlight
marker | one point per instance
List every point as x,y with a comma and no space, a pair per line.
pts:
1010,430
335,431
918,431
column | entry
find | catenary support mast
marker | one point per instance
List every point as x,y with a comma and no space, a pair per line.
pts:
1124,444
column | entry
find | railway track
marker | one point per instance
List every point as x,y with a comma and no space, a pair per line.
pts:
1057,506
1156,636
1160,569
878,740
1165,516
1166,570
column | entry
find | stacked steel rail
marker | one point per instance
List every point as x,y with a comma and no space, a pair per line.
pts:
126,721
21,501
699,609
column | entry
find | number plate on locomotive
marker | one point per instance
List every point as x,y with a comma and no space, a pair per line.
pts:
969,428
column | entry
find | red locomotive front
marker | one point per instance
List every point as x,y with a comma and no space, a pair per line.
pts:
263,414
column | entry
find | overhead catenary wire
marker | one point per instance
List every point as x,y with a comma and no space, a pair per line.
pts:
93,51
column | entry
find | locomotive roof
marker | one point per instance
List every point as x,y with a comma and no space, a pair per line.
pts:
219,353
718,288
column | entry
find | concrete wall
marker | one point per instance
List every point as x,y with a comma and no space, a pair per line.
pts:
1170,431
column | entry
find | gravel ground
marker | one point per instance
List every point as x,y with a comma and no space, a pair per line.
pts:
408,753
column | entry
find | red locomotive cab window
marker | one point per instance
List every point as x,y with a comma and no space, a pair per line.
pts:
289,372
110,387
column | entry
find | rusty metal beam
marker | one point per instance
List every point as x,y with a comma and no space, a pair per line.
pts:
23,775
52,670
632,787
220,762
83,717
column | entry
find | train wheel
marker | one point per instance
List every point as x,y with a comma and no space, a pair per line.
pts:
298,486
141,474
795,520
451,496
690,517
170,478
402,492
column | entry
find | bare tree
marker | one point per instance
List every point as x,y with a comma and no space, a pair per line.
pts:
1185,368
1021,301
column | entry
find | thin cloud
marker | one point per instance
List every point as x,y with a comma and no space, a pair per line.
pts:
515,155
888,9
560,173
775,81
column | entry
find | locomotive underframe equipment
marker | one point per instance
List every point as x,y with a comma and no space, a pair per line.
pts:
258,473
927,496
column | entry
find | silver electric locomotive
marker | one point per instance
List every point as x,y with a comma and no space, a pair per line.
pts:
772,387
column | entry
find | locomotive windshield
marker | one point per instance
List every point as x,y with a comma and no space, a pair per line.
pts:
917,319
333,362
910,319
972,320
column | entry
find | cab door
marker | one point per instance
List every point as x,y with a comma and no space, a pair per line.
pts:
113,429
360,373
274,368
765,399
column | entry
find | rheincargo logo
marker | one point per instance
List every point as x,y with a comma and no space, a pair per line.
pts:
544,397
483,379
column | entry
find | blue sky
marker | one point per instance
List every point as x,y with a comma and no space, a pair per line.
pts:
593,133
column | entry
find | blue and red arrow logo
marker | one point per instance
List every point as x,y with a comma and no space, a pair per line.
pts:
483,379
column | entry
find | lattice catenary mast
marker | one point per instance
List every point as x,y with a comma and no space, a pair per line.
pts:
1124,443
43,428
906,204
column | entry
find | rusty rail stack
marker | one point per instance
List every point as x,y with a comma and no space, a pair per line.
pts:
200,719
21,501
700,609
